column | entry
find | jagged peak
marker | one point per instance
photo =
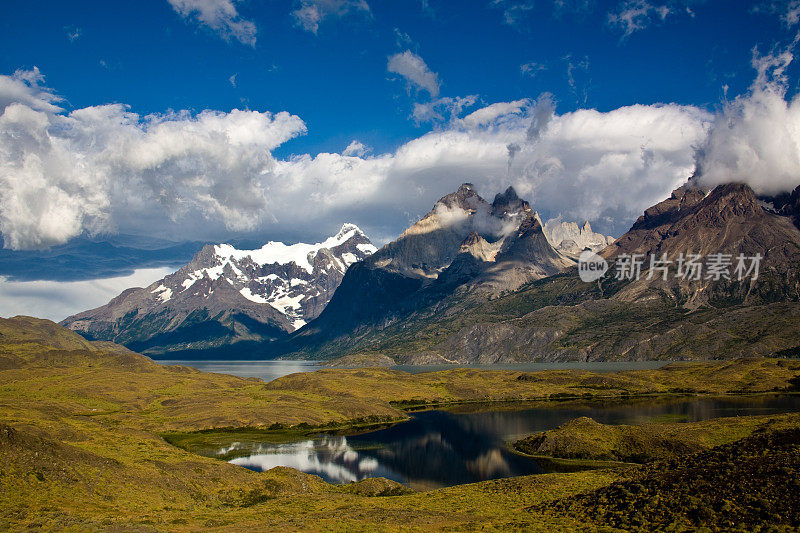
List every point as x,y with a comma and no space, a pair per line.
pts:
349,227
509,202
505,197
531,224
464,198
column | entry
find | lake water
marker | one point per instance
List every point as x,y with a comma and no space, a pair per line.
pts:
468,444
269,370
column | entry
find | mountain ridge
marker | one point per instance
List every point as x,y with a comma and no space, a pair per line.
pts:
560,317
224,296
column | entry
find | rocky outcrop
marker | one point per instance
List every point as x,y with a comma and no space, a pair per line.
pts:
570,239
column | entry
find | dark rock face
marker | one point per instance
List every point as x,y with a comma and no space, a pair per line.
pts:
561,318
225,296
728,220
463,244
786,204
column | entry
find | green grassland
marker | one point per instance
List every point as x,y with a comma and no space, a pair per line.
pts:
585,439
85,432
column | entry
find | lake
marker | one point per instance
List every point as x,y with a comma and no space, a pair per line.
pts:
467,444
269,370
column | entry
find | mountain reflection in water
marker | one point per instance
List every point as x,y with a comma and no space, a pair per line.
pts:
444,448
329,457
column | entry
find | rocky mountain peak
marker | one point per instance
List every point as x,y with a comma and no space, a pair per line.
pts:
348,230
729,220
465,198
531,224
732,200
508,203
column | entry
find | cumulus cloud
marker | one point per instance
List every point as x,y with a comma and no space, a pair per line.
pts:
98,167
414,70
608,167
56,300
310,13
220,16
756,138
211,175
356,149
24,87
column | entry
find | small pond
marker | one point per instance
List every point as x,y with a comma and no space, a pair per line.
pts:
468,443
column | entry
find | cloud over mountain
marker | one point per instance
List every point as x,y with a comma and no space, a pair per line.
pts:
202,176
756,138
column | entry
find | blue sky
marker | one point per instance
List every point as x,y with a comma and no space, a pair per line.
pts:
195,121
153,59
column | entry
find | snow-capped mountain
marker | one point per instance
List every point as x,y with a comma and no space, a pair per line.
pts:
226,295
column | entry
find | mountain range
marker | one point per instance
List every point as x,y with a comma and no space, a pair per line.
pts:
474,281
227,296
558,317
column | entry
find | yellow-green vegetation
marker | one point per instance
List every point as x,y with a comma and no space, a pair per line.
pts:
584,438
82,447
361,360
749,485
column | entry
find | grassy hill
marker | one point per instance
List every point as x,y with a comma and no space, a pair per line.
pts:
82,441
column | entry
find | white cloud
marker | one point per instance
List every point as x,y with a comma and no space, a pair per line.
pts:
788,10
101,167
514,11
491,113
756,139
23,87
412,67
531,68
445,109
792,14
56,300
184,176
578,78
310,13
635,15
356,149
220,16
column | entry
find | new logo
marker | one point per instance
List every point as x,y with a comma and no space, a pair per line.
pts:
591,266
